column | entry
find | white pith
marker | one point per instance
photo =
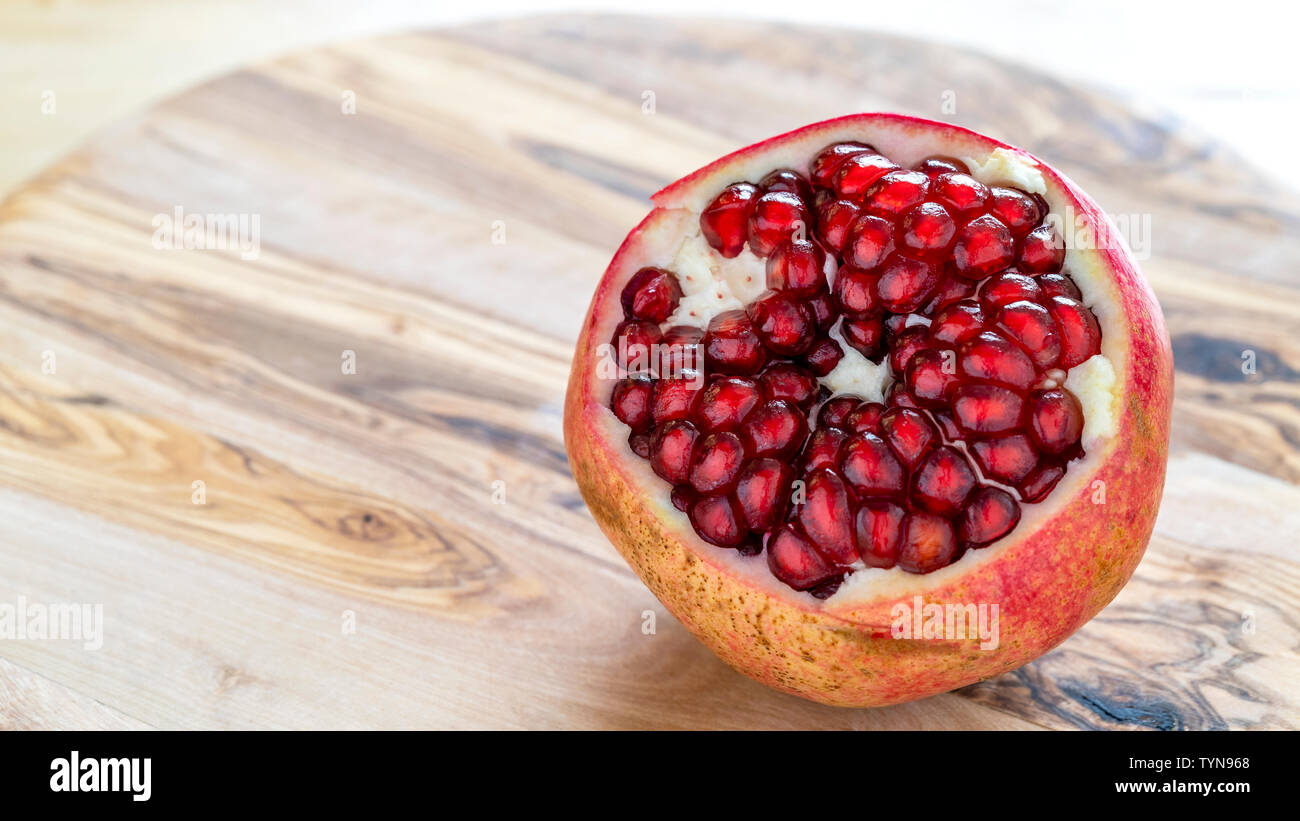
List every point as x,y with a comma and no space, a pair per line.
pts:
1094,383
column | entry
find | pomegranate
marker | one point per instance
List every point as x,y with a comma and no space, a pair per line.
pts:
854,370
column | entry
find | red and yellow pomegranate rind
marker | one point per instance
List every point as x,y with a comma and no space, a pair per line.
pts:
1057,570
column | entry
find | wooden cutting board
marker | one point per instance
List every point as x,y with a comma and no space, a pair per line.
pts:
324,486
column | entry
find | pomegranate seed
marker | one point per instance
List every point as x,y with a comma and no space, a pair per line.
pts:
640,444
1042,251
909,434
732,346
777,217
835,410
957,322
869,242
1080,333
943,481
927,229
776,428
936,165
634,342
984,247
896,192
1040,482
992,357
1006,459
964,195
834,219
823,311
652,294
865,418
864,335
673,397
950,290
906,345
798,266
947,426
858,173
870,467
930,375
1055,420
724,404
830,158
632,400
763,493
895,324
928,543
716,462
683,496
782,322
1006,287
725,222
854,293
671,451
823,449
784,179
718,520
905,283
985,409
684,351
879,526
823,356
1032,326
1059,285
989,515
827,516
1016,210
792,559
785,380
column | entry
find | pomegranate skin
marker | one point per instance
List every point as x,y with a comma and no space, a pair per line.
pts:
1048,578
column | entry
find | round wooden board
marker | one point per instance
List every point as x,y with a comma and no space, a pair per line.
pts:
402,545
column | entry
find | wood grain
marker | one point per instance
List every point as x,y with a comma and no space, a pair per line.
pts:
403,546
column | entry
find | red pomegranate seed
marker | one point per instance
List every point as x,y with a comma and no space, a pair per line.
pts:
895,324
634,342
651,294
640,444
632,402
854,293
826,516
763,493
957,322
823,356
864,335
909,433
984,409
1059,285
992,357
984,247
716,462
1032,326
869,242
732,346
835,410
865,418
947,426
797,266
784,323
858,173
1006,459
1040,482
1017,211
718,520
725,221
823,449
898,397
785,179
671,451
1080,333
834,217
775,428
936,165
928,543
673,397
927,229
964,195
870,467
1006,287
1055,420
683,496
792,559
905,347
990,514
895,192
684,352
905,283
777,217
943,481
950,290
1042,251
930,375
724,404
830,158
785,380
879,526
823,311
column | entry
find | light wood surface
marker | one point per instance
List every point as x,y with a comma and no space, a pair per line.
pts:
425,498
